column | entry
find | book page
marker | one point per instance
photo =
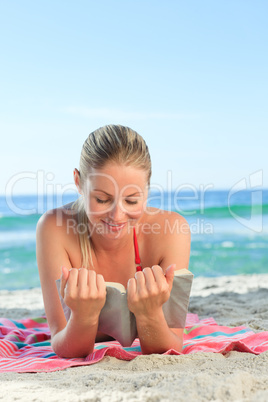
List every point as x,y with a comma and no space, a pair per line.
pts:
183,271
116,285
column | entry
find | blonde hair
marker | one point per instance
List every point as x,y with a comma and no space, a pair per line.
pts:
112,143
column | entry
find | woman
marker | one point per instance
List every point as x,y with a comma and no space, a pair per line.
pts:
90,242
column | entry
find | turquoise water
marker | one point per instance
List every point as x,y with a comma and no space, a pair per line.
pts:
229,236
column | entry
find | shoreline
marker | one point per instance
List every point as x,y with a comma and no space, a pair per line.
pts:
230,300
202,287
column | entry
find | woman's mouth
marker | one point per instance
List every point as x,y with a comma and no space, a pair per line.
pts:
114,226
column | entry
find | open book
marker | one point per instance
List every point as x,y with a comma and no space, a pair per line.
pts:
117,321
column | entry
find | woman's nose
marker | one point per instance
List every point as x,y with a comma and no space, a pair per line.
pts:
116,213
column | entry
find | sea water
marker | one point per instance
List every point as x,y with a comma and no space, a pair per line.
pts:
229,233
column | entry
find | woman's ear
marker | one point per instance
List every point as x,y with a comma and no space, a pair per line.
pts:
77,180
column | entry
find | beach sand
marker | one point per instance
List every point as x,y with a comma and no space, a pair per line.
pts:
232,301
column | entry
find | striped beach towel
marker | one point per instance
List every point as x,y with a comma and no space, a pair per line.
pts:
25,344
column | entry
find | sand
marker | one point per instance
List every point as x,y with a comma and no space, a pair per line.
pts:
232,301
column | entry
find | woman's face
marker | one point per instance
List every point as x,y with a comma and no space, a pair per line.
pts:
115,198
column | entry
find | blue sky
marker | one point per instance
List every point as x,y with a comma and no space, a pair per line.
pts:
190,77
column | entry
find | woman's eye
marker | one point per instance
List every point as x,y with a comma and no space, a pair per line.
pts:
132,202
102,201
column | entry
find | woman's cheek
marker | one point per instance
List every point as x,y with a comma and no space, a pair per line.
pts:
137,213
93,208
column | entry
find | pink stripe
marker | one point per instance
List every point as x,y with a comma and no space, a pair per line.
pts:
8,348
199,338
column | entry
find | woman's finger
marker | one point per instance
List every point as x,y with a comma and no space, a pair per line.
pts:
131,288
158,273
92,281
140,280
100,282
71,286
82,282
63,280
149,279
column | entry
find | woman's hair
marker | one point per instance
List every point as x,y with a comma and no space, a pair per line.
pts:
112,143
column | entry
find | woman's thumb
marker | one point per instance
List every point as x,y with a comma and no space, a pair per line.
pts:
170,274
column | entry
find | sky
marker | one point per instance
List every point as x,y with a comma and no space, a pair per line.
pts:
189,76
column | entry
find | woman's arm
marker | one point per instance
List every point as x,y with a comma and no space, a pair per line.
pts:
147,293
150,289
84,293
77,337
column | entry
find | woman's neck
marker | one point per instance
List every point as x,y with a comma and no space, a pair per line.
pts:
103,245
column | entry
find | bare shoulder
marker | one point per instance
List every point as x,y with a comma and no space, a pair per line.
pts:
165,223
56,220
166,234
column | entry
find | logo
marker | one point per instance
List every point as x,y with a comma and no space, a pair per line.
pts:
254,185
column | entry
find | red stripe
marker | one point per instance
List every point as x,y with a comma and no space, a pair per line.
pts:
136,248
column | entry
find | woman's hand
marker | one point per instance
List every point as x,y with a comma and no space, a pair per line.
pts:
84,292
149,290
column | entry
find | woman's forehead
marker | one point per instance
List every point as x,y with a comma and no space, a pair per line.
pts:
114,178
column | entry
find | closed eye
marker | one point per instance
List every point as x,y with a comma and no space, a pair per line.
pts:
131,202
99,201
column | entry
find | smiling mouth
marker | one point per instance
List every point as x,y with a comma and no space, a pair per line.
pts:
115,225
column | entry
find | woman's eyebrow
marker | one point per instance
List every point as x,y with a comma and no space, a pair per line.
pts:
102,191
137,192
130,195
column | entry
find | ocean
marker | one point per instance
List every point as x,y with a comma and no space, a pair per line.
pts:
229,232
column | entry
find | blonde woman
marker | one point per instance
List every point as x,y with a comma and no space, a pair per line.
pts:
110,235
